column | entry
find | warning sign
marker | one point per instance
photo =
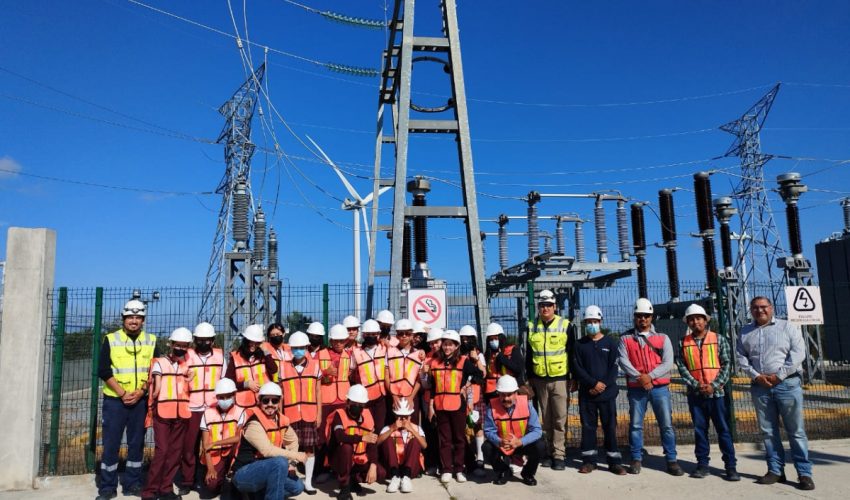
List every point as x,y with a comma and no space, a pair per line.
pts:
804,305
428,306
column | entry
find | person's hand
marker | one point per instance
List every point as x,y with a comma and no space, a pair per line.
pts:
331,371
421,355
706,389
599,387
426,369
369,438
763,381
190,374
372,475
253,386
131,398
300,457
211,475
516,442
645,381
505,444
410,426
774,379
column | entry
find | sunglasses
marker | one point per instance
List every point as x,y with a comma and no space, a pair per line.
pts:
269,401
403,334
547,304
643,316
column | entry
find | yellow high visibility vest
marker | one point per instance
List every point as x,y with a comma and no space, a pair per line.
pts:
549,348
130,360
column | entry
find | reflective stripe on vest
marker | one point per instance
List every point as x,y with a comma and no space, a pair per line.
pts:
703,362
353,428
337,389
277,355
221,426
245,370
173,399
207,373
494,373
372,370
300,390
549,347
275,427
130,360
403,371
448,381
513,424
645,358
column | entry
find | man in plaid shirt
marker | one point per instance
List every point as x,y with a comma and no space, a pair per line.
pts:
705,362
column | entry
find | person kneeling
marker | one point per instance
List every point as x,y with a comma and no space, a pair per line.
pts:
401,444
268,445
512,427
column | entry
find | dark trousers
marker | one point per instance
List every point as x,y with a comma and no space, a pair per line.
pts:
411,466
704,410
378,407
451,431
591,412
347,471
190,449
212,488
501,462
168,447
116,418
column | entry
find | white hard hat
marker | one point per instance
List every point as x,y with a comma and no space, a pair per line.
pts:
254,333
298,339
494,329
371,326
357,394
271,389
593,312
546,297
451,335
643,306
338,332
695,309
134,307
224,386
403,324
418,326
204,331
403,407
435,333
316,328
181,335
467,331
385,317
351,322
506,383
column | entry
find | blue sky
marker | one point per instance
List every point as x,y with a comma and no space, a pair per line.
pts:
131,88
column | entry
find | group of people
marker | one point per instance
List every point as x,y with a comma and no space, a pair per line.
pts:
386,400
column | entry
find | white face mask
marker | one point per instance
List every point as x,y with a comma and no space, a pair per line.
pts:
225,404
494,345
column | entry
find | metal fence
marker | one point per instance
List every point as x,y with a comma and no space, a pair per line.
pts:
80,317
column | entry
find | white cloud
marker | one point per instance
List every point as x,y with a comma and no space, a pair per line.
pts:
9,168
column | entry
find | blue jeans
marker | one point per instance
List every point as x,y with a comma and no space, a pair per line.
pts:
269,474
116,418
659,398
785,400
704,410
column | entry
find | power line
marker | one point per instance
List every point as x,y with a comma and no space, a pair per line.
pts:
106,186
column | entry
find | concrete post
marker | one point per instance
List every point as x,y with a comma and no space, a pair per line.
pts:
30,264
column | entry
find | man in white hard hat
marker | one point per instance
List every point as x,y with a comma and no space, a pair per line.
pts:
595,368
337,366
268,449
771,352
403,364
351,437
386,320
125,358
646,357
420,333
250,366
370,371
704,363
402,443
513,429
352,325
316,336
221,430
550,342
169,414
208,365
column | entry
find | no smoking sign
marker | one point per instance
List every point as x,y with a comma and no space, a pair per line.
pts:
428,306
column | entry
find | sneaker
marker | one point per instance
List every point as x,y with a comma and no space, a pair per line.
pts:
586,468
635,467
546,462
446,477
674,470
432,471
109,495
501,479
133,491
529,481
617,469
169,496
344,494
700,472
732,475
395,482
356,488
805,483
459,477
308,489
771,478
406,485
183,490
558,464
516,469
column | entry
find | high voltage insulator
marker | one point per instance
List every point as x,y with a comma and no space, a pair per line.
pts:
354,21
240,215
503,241
702,193
405,251
601,237
623,231
559,236
639,238
845,206
259,252
668,234
724,211
351,70
272,252
419,187
533,228
547,243
790,188
579,242
483,247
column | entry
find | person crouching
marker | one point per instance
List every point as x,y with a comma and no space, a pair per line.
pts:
401,444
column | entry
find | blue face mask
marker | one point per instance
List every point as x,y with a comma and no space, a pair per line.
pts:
592,328
225,404
299,353
494,345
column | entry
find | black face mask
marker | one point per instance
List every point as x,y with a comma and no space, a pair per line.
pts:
179,352
203,347
276,341
369,340
315,340
355,412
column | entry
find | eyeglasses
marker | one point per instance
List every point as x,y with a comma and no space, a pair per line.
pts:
760,308
643,316
222,397
269,401
403,334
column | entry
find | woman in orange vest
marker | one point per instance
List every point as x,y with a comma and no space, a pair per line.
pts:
371,370
302,403
274,346
502,359
432,453
403,365
469,345
221,426
401,444
449,372
169,412
250,366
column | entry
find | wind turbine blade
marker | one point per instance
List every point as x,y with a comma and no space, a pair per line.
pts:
348,186
365,225
368,198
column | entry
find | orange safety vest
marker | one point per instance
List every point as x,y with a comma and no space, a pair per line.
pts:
448,381
703,362
494,373
353,428
275,428
246,370
403,371
276,356
221,426
398,439
173,398
207,372
514,424
300,390
372,370
336,389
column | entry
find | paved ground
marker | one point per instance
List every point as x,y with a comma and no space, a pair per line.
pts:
831,458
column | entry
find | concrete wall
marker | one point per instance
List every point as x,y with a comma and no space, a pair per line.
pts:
30,265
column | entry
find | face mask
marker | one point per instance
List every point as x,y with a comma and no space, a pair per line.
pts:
203,347
298,353
355,411
494,345
276,341
225,404
315,340
179,352
592,328
369,341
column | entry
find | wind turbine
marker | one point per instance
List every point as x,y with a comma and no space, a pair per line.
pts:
357,204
